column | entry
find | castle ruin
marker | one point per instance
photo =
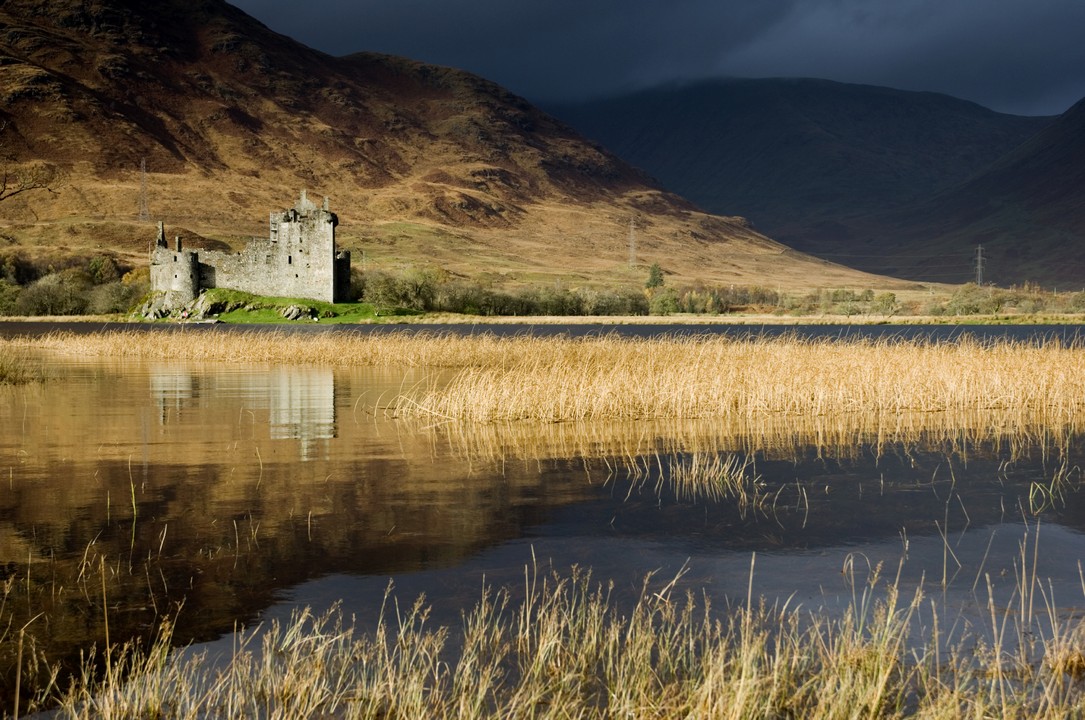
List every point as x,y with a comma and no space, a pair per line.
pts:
298,259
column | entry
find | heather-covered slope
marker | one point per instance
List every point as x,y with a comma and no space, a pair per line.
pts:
424,165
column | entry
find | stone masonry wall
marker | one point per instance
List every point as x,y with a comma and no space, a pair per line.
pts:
174,272
299,259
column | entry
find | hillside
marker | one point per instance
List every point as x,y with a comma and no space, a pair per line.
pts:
423,164
818,165
1027,210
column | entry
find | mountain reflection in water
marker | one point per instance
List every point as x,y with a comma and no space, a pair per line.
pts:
236,492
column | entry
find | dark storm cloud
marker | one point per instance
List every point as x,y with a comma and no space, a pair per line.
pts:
1022,56
1013,55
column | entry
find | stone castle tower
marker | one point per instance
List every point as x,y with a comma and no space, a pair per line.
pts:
298,259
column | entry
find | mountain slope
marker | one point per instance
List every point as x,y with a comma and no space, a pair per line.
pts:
424,165
818,165
784,151
1027,210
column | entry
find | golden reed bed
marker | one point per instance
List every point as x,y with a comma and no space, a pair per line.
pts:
710,377
562,646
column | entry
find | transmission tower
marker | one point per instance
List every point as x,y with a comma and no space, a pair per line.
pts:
632,244
980,260
144,211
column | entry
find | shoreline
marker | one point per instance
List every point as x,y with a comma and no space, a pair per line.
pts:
675,319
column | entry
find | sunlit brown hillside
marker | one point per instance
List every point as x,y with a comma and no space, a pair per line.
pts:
423,164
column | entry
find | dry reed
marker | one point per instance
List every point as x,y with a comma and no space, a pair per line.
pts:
17,367
342,349
735,380
568,648
714,477
779,437
567,379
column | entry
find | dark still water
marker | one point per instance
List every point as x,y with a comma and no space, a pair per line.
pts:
938,333
230,494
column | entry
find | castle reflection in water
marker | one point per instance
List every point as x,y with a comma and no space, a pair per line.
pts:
300,402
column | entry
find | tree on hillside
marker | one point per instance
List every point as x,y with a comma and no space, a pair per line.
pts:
17,178
655,276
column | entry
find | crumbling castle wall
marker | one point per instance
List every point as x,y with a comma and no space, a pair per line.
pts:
298,259
174,272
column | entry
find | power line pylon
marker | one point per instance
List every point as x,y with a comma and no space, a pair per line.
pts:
144,210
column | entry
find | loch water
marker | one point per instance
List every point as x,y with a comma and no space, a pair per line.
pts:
227,495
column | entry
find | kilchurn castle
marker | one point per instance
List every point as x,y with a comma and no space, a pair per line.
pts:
297,259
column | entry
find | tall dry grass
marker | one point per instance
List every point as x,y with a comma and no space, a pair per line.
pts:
624,400
16,367
772,436
836,390
569,648
567,379
345,349
1034,398
733,380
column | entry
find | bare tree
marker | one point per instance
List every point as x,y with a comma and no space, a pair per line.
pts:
17,178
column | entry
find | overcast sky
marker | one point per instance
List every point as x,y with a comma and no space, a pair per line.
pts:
1018,56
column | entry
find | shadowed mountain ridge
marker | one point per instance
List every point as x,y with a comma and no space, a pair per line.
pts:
890,181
